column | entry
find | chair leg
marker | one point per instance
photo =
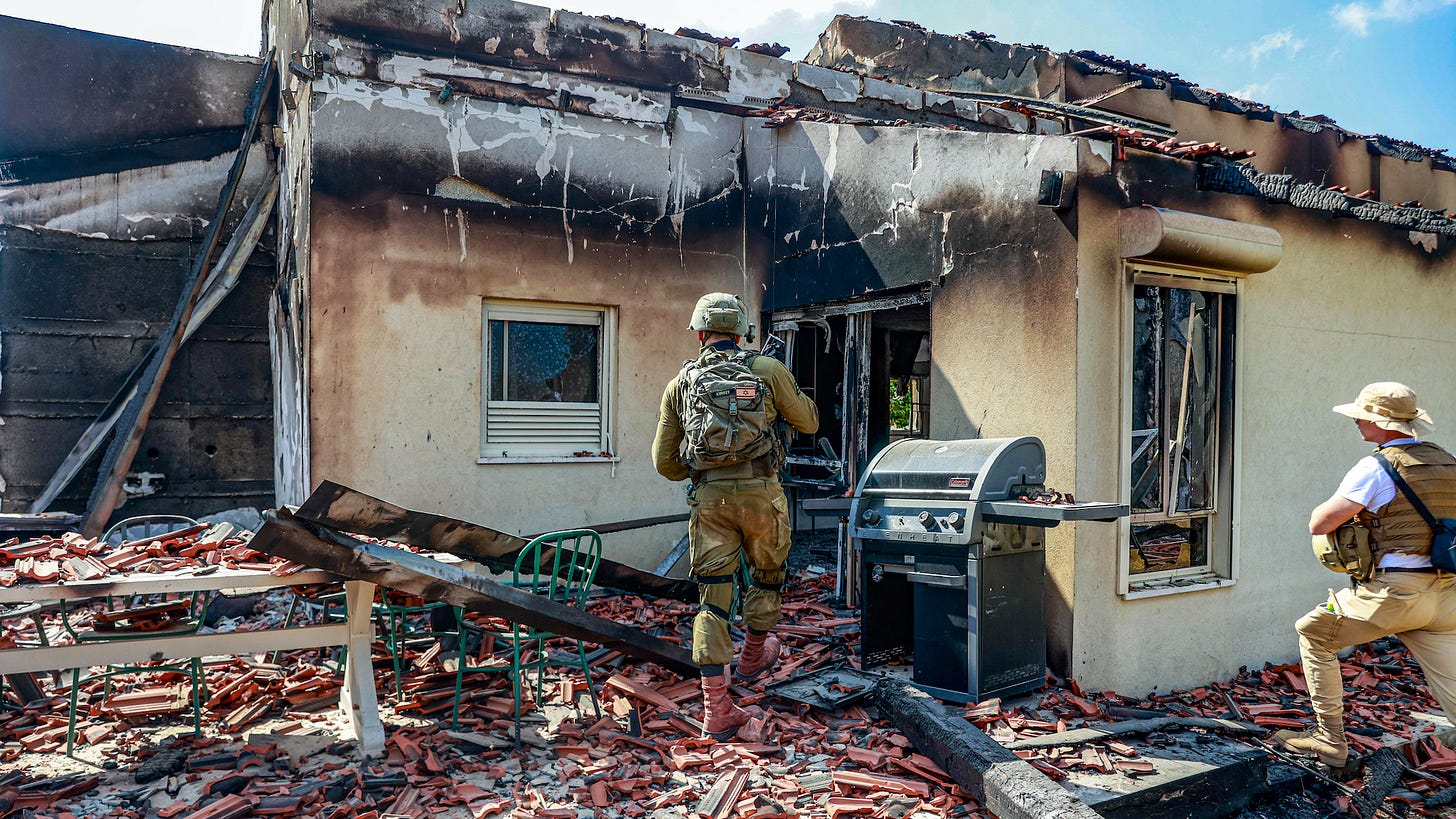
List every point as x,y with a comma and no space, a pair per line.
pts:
199,682
516,682
71,725
591,689
287,621
459,668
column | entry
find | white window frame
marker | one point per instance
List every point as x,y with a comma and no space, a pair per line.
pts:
1222,567
497,447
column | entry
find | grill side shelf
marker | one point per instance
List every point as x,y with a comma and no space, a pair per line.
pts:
1044,514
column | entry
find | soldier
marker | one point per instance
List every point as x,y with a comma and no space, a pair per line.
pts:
716,428
1407,596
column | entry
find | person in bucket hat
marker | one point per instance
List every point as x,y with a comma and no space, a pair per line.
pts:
1406,596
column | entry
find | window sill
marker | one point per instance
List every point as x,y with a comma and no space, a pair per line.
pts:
1139,590
548,459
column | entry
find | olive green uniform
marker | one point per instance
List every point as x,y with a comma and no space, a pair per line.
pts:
737,512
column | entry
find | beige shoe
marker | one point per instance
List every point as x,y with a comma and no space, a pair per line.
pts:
1332,751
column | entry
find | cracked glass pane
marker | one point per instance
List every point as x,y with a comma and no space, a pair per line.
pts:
1178,336
1147,400
538,361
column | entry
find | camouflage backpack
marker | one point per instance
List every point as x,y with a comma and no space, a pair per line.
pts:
725,417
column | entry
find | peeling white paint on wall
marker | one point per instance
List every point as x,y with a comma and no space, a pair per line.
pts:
160,202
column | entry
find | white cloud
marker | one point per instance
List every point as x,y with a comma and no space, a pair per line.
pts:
1254,91
1267,45
1357,16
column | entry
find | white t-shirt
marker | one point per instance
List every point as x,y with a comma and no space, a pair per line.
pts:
1368,484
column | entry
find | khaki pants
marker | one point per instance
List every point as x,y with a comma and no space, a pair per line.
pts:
1419,608
732,520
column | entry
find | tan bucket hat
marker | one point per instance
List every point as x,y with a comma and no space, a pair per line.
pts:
1391,406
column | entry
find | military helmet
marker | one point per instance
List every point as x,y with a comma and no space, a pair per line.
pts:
720,313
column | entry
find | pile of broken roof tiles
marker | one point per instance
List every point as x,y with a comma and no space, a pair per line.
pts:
72,557
642,756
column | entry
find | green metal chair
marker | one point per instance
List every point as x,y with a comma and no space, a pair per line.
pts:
559,566
396,618
123,531
190,668
402,628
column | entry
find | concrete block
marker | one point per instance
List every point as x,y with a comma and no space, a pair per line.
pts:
756,76
835,86
625,36
911,98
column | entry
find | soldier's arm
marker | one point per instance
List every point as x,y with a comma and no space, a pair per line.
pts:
1328,516
790,401
669,437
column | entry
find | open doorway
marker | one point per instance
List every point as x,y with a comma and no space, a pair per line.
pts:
866,365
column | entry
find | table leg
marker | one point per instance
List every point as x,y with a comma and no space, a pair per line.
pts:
358,699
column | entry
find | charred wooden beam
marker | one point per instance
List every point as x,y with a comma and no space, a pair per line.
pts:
1006,784
286,536
132,422
220,282
1079,736
338,507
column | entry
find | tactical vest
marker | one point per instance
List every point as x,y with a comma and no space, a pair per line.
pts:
1431,473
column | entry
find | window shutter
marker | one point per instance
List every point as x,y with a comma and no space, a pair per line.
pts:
520,424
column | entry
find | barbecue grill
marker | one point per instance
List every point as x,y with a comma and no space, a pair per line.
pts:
949,535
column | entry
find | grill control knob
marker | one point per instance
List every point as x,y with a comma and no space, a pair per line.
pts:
870,516
926,519
956,520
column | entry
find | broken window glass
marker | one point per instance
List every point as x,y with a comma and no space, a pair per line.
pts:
1177,344
544,362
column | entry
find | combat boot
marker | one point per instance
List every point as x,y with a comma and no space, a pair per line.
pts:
721,716
760,655
1328,745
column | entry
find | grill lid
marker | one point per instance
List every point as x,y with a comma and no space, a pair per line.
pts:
981,469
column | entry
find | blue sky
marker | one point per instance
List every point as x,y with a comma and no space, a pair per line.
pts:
1375,66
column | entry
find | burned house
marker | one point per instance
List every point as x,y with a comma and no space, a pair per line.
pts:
496,218
112,154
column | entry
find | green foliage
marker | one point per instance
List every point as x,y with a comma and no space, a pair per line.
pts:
900,404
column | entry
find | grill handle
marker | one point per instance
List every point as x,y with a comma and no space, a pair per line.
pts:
949,581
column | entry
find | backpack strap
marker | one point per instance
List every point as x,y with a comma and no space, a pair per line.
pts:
1405,489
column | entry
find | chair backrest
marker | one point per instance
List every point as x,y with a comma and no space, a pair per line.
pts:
142,526
560,565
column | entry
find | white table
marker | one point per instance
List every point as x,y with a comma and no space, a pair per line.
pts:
357,699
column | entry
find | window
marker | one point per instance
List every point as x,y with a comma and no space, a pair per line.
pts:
1181,431
546,375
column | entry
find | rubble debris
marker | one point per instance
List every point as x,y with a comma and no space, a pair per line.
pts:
726,42
347,510
72,557
1010,787
285,536
770,49
647,754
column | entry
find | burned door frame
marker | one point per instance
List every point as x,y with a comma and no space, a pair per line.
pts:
858,383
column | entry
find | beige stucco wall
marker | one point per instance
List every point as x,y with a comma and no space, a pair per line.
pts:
1002,345
396,360
1349,303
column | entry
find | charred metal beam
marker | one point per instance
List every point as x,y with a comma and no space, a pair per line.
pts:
286,536
339,507
1006,784
133,421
